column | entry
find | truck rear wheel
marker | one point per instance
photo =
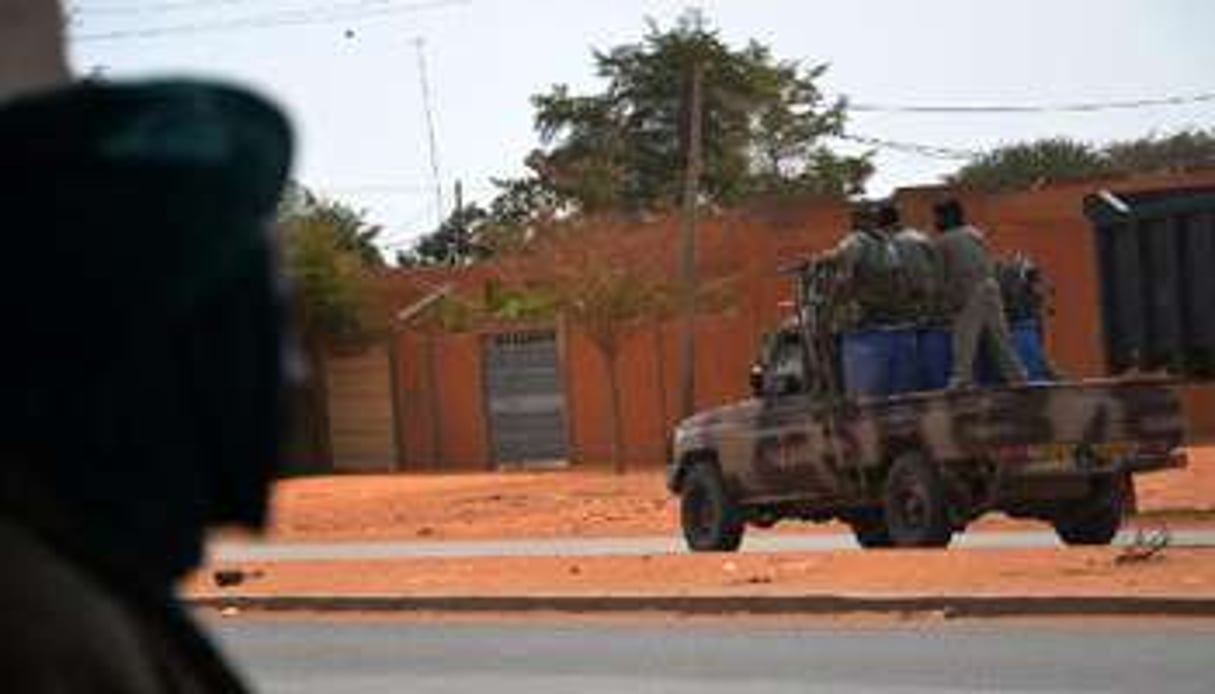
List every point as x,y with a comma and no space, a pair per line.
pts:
711,521
1096,519
915,504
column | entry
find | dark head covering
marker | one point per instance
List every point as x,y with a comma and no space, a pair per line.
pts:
143,347
887,216
863,216
948,214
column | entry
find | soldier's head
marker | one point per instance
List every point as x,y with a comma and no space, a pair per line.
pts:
864,216
948,215
143,374
887,217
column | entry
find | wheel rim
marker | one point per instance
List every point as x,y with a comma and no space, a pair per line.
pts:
911,505
702,515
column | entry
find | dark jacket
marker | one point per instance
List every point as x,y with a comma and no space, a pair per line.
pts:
75,621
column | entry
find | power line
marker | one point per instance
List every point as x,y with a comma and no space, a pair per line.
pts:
932,151
295,17
145,8
1079,107
376,189
395,189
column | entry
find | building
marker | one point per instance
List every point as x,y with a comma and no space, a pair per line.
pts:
499,395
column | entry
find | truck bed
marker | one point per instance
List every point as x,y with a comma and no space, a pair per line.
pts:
1032,423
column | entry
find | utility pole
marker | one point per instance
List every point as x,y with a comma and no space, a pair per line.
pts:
687,246
460,240
420,44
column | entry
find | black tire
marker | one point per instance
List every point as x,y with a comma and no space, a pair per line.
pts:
711,521
915,507
1096,519
869,528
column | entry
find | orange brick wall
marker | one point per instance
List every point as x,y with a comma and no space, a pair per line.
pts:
750,245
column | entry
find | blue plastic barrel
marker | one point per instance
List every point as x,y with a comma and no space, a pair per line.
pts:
935,354
1027,340
1027,336
880,361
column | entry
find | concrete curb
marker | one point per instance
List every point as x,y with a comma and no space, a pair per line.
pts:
949,606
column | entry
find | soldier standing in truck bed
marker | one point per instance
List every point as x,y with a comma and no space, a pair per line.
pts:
870,270
920,271
972,296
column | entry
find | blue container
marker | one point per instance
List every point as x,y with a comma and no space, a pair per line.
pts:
1027,340
881,361
935,356
935,353
1027,335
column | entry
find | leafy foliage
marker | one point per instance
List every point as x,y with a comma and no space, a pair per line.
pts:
1188,149
605,282
623,148
329,254
1021,166
452,243
1026,165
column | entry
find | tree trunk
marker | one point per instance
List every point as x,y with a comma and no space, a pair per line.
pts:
660,366
614,420
436,404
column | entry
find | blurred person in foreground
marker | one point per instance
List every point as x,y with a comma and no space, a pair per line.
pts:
143,360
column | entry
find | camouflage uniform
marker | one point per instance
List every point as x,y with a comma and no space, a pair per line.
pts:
921,274
871,268
973,296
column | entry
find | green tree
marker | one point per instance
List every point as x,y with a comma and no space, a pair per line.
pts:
329,254
1021,166
604,278
348,226
605,286
624,147
1181,151
1024,165
453,243
474,233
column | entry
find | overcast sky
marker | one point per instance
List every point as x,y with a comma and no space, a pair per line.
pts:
347,71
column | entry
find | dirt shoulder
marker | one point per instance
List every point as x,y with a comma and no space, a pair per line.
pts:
1037,572
582,502
595,503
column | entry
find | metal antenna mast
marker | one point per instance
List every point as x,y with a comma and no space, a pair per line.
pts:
420,44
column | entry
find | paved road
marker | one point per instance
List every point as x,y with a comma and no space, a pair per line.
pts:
820,542
378,658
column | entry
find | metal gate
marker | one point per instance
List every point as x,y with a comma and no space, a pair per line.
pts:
362,419
525,397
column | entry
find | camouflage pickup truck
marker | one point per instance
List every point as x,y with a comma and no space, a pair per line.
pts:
912,469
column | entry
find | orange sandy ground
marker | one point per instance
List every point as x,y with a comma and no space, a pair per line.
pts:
575,503
596,503
1188,572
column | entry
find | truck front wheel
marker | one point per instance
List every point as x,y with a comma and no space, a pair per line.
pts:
869,528
711,521
1096,519
915,503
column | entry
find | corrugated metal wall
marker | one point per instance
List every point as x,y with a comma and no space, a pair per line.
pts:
361,418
